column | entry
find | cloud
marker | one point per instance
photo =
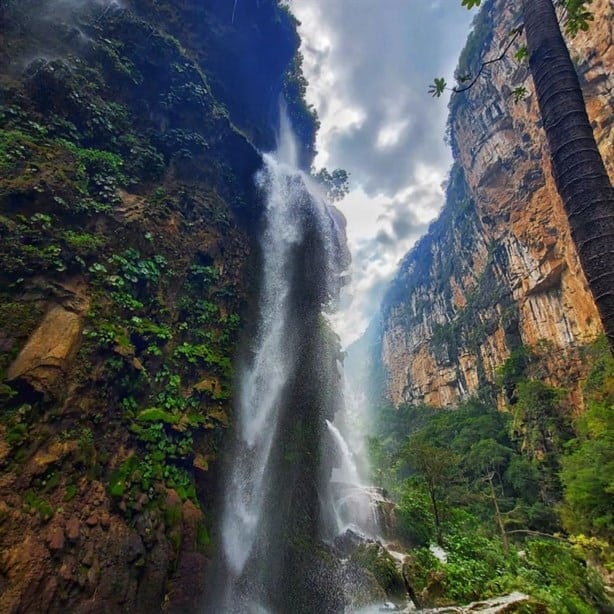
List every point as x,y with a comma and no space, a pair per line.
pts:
369,63
400,222
377,59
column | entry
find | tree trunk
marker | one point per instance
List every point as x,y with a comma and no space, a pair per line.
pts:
579,172
436,515
499,518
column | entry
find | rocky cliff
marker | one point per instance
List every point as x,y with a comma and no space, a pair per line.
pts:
129,136
497,270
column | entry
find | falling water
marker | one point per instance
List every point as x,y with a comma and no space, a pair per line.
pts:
262,383
254,503
346,471
355,502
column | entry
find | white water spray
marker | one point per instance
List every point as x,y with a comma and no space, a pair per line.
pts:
346,472
292,205
261,384
357,505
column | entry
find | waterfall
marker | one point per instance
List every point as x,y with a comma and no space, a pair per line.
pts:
261,384
355,502
347,471
281,387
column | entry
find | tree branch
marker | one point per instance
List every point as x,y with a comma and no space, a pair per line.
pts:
517,33
538,534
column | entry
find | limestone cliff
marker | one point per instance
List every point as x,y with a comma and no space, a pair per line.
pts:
129,138
497,269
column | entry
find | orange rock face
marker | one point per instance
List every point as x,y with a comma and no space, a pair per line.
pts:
45,359
501,269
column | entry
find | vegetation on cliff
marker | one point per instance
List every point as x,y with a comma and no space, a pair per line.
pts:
519,499
127,157
498,268
579,171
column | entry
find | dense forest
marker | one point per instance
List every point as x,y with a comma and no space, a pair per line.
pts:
518,499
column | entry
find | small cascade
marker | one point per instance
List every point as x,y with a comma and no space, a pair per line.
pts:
356,505
347,471
363,513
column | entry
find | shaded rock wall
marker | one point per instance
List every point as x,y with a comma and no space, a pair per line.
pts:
498,268
127,221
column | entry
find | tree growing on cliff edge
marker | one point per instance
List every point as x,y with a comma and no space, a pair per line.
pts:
579,172
335,184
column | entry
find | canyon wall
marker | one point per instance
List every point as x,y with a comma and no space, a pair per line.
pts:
497,270
129,137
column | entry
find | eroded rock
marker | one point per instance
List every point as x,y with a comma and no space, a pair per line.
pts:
45,359
73,526
498,268
55,538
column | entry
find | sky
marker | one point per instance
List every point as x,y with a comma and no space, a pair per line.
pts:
369,63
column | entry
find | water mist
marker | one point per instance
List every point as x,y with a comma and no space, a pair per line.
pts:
287,389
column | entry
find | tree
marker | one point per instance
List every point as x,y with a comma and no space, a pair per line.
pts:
438,467
588,470
579,172
336,184
488,456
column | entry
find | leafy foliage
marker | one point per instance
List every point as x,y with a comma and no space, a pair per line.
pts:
461,477
588,467
336,183
578,16
437,88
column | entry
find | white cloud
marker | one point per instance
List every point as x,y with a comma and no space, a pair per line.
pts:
369,63
390,134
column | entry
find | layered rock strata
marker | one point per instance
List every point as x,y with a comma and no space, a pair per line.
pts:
498,269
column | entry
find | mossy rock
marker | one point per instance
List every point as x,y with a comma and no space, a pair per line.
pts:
155,414
374,558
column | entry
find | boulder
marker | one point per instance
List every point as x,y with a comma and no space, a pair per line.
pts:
45,359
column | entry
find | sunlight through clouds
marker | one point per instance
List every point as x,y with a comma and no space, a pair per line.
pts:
368,63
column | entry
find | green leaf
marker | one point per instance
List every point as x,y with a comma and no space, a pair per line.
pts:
578,16
522,53
471,3
519,93
437,88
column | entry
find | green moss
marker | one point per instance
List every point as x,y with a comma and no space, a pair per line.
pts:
195,353
70,493
82,242
34,503
15,147
154,414
94,160
51,481
203,539
120,478
172,516
375,559
17,434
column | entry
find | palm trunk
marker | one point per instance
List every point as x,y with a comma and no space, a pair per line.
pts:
579,172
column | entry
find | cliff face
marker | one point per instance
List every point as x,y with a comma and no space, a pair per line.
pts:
497,270
128,140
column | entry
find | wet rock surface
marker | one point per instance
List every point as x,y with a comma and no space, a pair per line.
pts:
45,360
498,268
128,215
